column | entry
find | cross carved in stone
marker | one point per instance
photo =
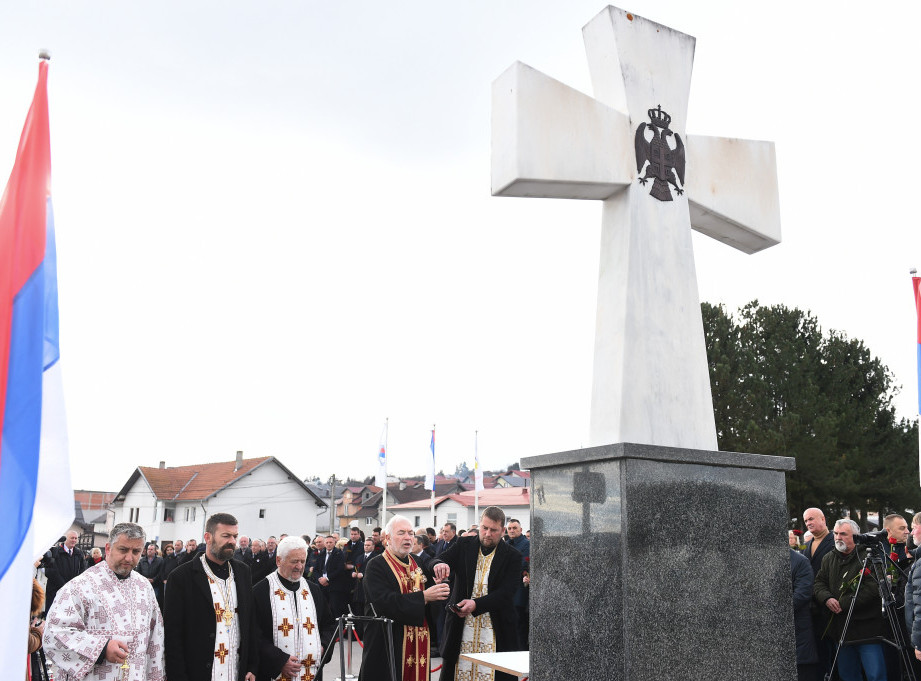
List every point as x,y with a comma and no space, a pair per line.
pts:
651,383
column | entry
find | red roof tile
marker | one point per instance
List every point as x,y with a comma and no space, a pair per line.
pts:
198,481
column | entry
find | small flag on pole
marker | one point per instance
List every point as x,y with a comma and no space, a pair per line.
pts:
430,476
36,497
381,479
916,286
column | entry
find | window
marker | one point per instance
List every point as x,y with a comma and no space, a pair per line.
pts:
187,511
193,513
452,518
369,522
134,514
416,522
262,513
168,515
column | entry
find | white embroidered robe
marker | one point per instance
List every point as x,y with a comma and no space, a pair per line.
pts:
95,607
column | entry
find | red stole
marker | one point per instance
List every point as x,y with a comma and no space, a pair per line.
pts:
415,639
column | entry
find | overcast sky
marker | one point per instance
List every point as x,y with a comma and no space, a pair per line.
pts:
275,229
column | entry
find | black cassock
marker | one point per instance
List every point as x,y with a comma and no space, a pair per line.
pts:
383,591
272,659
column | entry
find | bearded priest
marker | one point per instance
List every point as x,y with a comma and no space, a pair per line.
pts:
105,623
292,618
394,588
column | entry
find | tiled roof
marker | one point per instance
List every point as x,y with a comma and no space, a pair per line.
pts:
198,481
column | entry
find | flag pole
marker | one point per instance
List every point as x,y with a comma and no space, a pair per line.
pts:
476,470
386,449
433,475
916,286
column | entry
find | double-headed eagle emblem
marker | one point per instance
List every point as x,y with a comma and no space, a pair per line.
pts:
666,165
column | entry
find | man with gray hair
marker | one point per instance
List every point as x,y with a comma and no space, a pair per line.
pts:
292,617
836,588
105,623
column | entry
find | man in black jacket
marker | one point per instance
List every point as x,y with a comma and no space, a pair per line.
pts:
208,613
821,544
62,563
334,579
486,574
151,568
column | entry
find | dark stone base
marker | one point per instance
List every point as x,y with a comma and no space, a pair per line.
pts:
660,563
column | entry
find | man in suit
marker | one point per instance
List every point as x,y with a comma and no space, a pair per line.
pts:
335,581
487,573
448,539
821,544
208,612
62,563
358,591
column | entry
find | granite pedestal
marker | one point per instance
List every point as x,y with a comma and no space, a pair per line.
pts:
660,563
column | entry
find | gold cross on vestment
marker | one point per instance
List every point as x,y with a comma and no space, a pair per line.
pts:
218,612
285,626
409,634
308,661
307,675
281,594
309,626
221,652
422,660
304,594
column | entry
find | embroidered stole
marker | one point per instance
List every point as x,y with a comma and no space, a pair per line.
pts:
478,635
226,625
415,639
296,630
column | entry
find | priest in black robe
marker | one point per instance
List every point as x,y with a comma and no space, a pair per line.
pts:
291,559
394,588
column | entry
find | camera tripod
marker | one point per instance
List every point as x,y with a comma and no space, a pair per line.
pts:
346,624
877,559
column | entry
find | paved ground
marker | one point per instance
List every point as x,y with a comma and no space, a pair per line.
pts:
332,671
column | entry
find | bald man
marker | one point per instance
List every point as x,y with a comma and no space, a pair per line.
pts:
821,544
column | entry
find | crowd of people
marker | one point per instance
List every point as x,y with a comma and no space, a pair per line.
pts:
856,598
231,609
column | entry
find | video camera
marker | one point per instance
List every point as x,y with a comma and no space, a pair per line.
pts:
871,538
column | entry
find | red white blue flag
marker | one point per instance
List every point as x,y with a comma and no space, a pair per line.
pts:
36,497
916,285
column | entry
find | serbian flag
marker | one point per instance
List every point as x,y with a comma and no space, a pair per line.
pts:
381,479
36,497
430,476
916,285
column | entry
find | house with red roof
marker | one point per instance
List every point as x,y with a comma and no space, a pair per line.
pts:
174,502
460,508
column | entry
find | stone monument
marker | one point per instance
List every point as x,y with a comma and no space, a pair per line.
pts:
654,554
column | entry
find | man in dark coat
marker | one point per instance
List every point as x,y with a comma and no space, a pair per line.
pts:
62,563
821,544
522,596
244,553
836,588
502,564
807,657
199,592
291,558
393,584
332,576
151,568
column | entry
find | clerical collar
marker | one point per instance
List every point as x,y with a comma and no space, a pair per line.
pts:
486,551
220,571
290,586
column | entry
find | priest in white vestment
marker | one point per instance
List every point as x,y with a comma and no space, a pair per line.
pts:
105,623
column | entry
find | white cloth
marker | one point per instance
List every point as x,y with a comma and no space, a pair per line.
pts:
478,636
226,634
92,609
295,628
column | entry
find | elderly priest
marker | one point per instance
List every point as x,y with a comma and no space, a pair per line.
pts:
292,618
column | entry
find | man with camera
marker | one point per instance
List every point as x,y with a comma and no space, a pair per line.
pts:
839,584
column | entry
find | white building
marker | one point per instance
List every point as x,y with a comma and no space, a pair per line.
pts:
460,509
174,503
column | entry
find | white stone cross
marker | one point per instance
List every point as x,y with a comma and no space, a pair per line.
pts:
651,382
